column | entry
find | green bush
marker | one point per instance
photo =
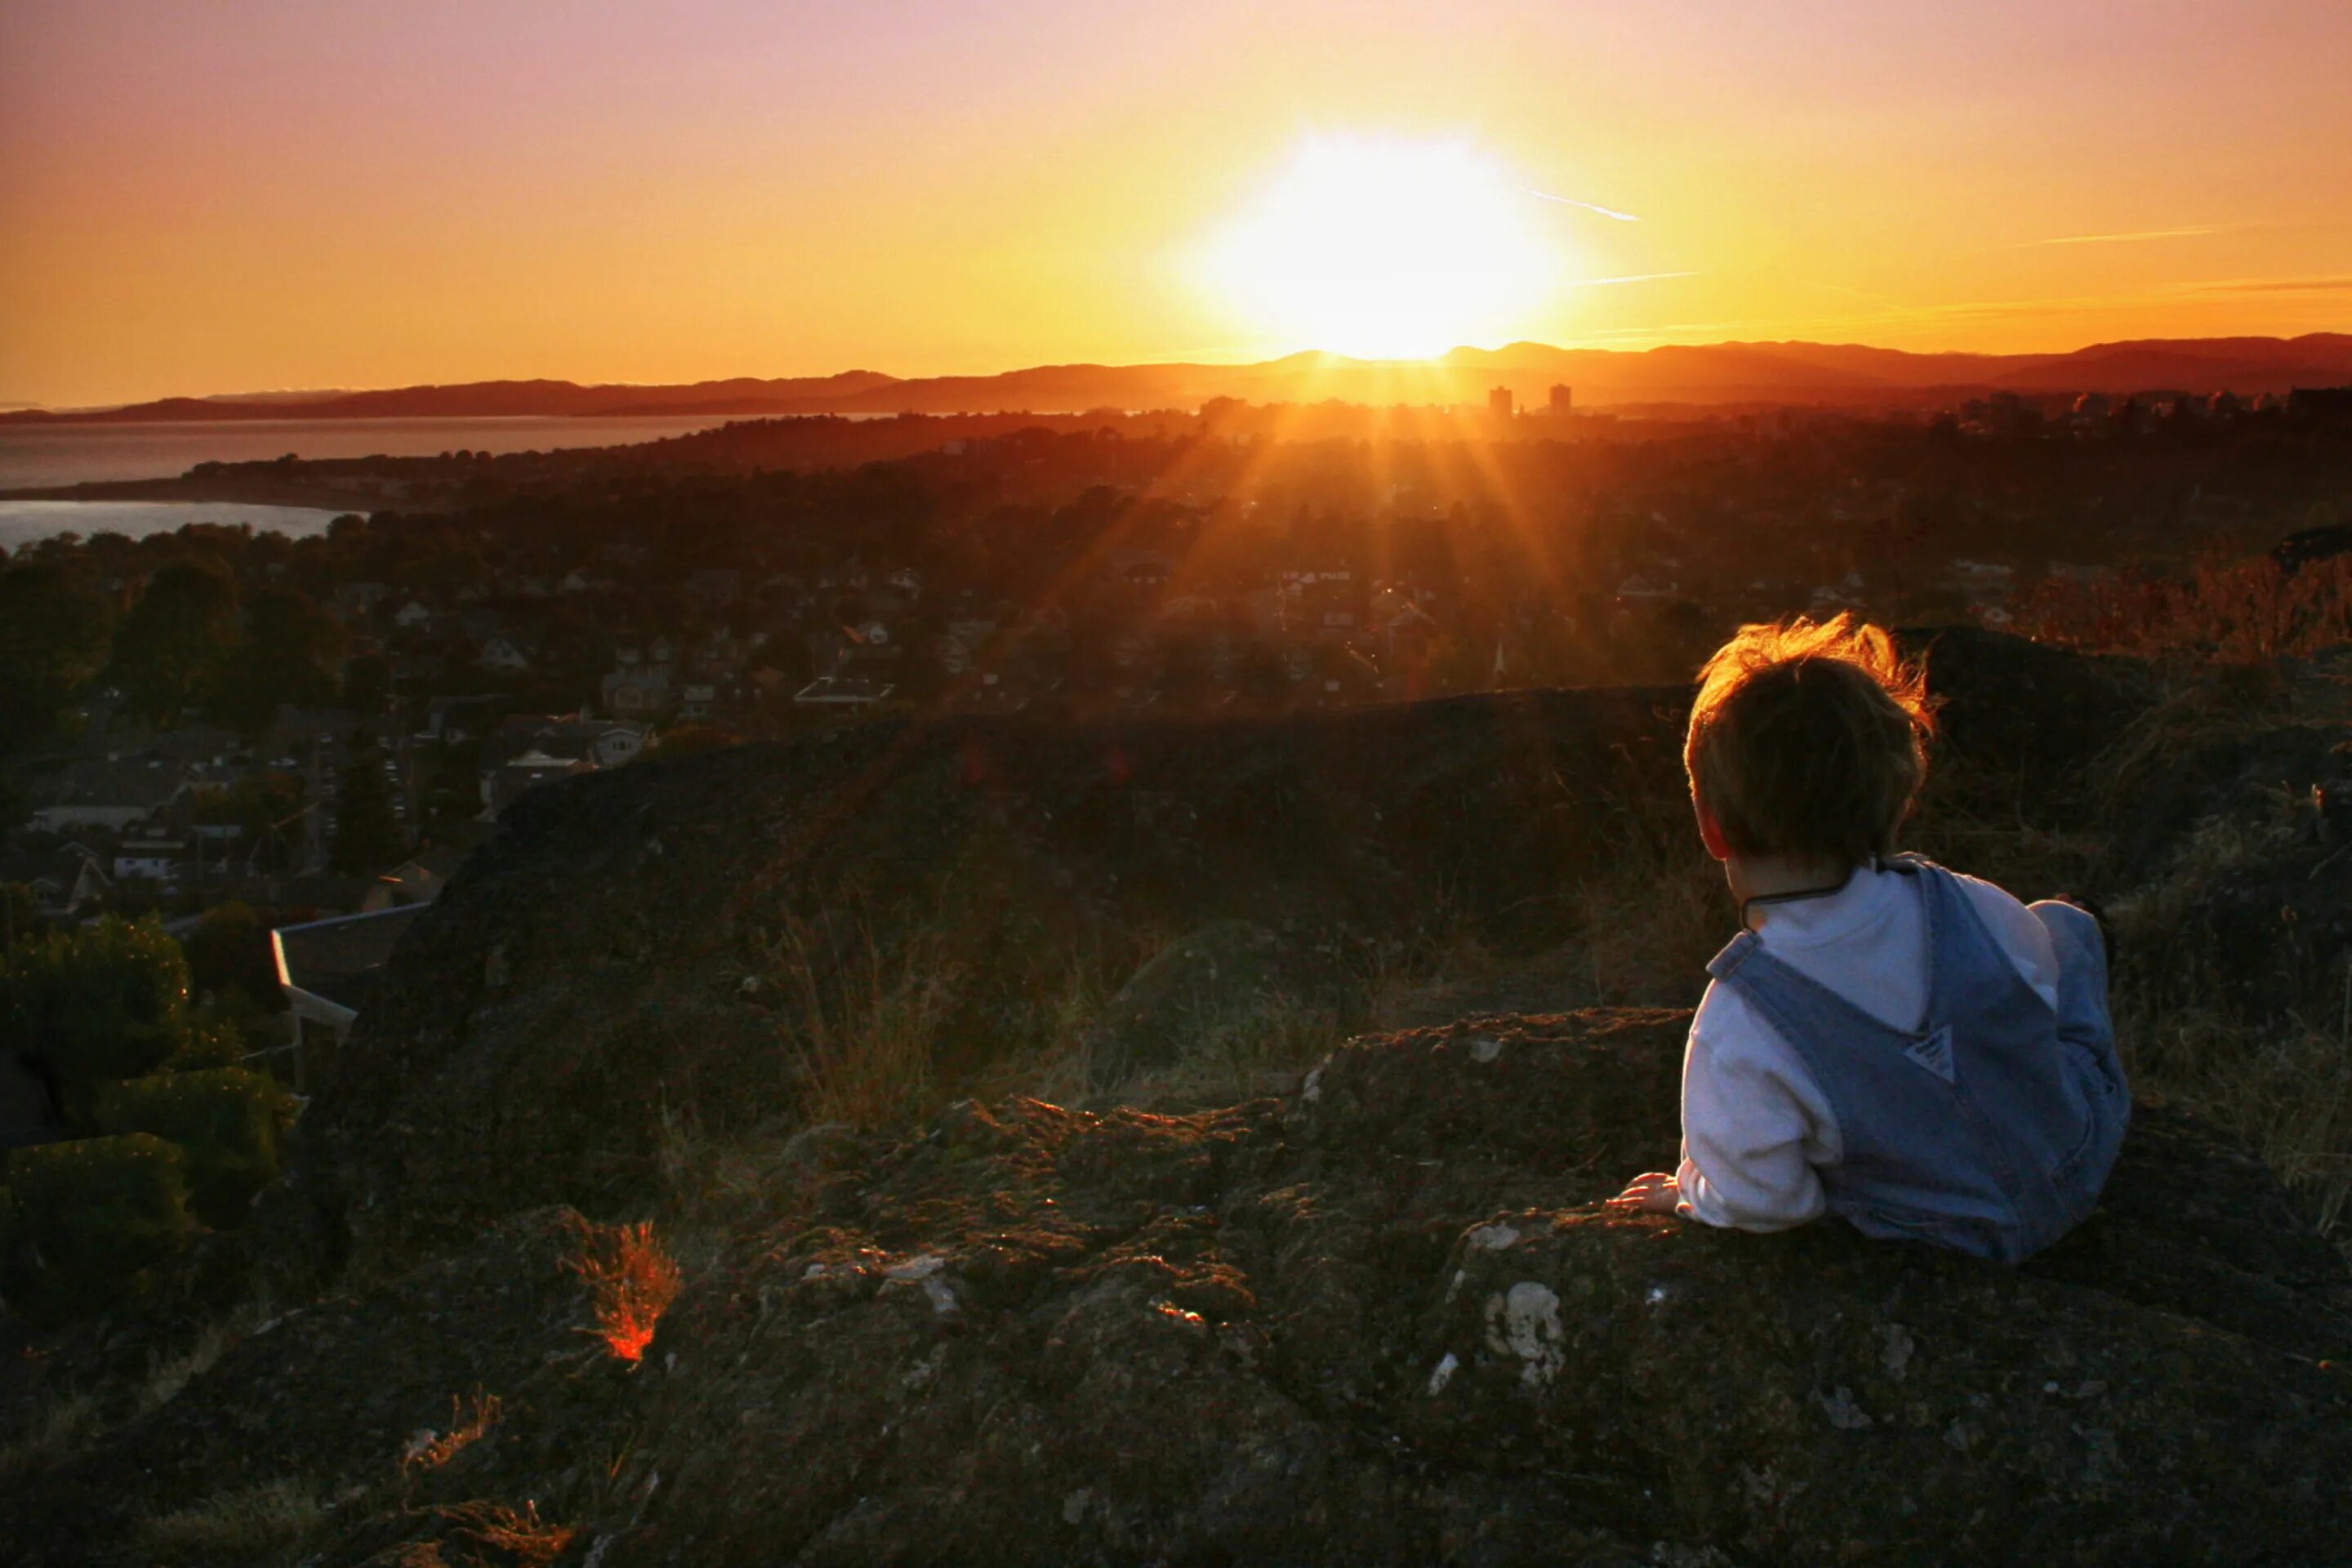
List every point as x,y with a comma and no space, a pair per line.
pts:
227,1120
87,1218
109,1001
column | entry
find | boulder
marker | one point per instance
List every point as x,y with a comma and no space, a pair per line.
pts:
1387,1321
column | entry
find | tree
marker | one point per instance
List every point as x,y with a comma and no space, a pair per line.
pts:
367,683
229,950
169,650
20,915
53,639
286,656
367,834
108,1002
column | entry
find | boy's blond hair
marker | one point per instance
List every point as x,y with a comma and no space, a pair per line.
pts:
1809,738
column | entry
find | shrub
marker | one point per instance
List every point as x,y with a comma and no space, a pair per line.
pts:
227,1120
87,1218
105,1002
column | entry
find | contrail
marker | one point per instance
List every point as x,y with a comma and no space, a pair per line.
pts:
1588,206
2187,233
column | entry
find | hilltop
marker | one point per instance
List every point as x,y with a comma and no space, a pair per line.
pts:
1050,1171
1840,373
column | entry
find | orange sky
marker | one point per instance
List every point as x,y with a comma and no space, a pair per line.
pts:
241,194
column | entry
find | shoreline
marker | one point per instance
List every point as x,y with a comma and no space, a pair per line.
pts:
311,494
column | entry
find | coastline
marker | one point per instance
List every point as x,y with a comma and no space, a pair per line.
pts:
244,489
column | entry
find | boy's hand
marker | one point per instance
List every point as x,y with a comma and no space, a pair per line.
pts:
1654,1192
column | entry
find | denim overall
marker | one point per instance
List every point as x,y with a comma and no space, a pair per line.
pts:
1992,1126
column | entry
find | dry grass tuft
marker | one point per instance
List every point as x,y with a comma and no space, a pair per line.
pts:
1247,1058
866,1030
2244,614
239,1526
632,1279
1648,920
525,1537
2284,1087
465,1429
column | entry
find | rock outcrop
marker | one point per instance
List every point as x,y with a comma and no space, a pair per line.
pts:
1380,1320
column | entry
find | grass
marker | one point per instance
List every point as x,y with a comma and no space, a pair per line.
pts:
73,1421
879,1040
2243,613
63,1428
2285,1086
238,1526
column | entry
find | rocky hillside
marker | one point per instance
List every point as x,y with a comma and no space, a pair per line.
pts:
1377,1317
1381,1320
625,953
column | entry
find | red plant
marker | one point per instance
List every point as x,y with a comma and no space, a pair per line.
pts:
632,1279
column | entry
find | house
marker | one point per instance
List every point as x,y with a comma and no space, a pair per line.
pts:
416,880
76,880
148,860
636,691
327,970
842,691
107,793
413,615
503,783
612,743
1408,633
501,655
697,699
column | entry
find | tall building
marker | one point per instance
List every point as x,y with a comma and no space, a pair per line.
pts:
1498,403
1562,400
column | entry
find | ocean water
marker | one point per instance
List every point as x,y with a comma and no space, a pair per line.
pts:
39,456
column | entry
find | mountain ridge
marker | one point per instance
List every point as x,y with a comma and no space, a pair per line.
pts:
1733,371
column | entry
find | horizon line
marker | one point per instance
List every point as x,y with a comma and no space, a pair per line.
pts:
269,397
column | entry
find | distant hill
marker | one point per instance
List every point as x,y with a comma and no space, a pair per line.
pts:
1712,372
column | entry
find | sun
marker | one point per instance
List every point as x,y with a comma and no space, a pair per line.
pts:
1384,247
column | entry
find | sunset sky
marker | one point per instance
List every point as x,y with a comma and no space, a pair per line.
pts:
241,194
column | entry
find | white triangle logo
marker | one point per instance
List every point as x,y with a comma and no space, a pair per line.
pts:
1934,1054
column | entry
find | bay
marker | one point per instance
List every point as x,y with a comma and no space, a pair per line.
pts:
41,455
24,522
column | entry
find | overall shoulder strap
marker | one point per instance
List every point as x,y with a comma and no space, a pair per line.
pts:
1797,1005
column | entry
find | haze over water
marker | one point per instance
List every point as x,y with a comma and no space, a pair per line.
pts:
36,456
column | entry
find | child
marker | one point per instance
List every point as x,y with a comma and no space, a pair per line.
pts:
1885,1040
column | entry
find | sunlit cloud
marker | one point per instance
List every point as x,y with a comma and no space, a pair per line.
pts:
2188,232
1588,206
